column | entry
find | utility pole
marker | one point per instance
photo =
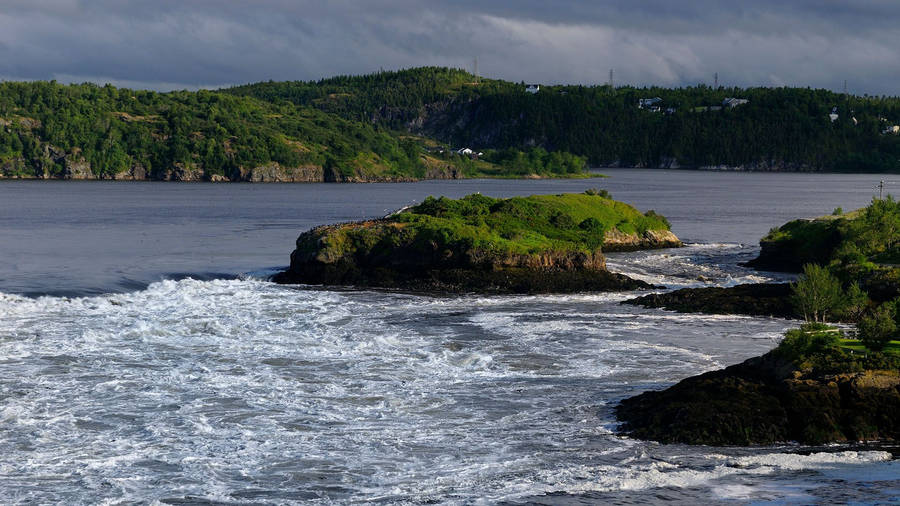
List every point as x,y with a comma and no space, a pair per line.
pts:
476,70
846,96
612,84
880,187
716,80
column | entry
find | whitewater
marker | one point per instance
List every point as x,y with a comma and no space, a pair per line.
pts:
200,388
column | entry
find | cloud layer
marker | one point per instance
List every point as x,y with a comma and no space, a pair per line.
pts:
166,44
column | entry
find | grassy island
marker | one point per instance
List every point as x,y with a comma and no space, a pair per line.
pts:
849,265
815,387
541,243
821,384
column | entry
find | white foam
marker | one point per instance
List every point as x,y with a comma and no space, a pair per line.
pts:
195,388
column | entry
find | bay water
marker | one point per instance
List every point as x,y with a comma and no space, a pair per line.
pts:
144,358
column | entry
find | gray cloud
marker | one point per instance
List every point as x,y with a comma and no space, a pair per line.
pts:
166,44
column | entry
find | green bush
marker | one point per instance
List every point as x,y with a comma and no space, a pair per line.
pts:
876,330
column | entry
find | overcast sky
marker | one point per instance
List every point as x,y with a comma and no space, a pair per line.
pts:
170,44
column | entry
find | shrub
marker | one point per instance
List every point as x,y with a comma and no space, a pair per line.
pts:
809,341
602,193
656,216
876,330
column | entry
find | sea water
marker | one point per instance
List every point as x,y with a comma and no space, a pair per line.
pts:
145,358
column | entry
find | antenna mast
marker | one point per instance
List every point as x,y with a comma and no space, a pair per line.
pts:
612,84
716,80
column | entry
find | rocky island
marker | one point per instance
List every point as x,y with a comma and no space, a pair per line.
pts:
818,385
536,244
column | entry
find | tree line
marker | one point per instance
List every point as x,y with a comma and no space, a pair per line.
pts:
777,129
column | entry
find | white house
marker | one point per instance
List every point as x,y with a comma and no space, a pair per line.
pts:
734,102
833,115
465,151
892,129
532,88
646,103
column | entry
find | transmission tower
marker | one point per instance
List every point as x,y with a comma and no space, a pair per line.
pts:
716,80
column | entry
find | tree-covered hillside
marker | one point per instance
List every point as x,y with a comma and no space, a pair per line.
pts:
777,129
407,125
48,130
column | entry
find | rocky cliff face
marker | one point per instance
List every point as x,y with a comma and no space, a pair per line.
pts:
766,400
614,240
275,173
55,163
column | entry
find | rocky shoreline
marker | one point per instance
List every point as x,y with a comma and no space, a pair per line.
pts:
756,299
75,167
766,400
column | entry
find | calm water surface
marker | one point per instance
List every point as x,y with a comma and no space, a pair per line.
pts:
143,358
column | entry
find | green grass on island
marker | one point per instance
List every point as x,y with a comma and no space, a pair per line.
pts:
855,345
490,227
827,350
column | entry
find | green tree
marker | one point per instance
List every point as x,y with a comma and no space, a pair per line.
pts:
855,303
877,329
817,293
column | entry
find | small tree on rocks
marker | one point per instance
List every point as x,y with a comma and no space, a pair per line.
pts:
817,293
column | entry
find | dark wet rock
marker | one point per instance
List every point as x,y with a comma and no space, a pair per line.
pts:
766,400
756,299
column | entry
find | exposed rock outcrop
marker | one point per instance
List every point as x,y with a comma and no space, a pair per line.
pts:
184,172
766,400
614,240
136,172
757,299
276,173
321,259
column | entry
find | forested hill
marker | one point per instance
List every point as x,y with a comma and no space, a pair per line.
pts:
406,125
776,129
49,130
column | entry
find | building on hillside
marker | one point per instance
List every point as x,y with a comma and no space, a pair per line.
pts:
471,153
892,129
532,88
649,103
833,115
734,102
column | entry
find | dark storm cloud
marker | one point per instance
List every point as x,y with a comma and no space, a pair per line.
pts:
188,43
